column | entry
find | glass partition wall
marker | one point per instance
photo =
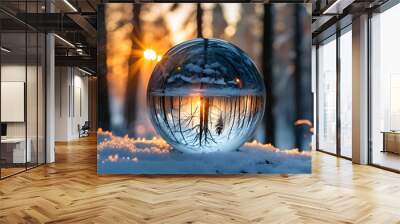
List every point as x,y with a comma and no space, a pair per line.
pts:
22,77
334,94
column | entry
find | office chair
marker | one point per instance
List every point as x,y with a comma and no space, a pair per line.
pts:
84,130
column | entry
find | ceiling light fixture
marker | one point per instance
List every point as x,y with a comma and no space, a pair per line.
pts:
5,50
65,41
70,5
337,7
84,71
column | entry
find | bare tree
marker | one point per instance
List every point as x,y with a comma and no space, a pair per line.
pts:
304,104
103,97
188,122
267,66
133,74
199,20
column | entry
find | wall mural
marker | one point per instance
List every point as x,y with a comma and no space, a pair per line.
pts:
210,88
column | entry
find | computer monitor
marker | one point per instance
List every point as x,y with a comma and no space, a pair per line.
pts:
3,129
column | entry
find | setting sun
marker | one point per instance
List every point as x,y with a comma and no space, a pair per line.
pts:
150,54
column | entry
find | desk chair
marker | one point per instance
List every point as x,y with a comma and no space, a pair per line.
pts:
84,130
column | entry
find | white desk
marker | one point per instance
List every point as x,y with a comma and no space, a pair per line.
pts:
18,155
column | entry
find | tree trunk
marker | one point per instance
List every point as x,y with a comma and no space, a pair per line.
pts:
133,76
303,95
267,66
103,106
199,20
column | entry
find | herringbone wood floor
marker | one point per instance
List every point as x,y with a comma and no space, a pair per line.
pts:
70,191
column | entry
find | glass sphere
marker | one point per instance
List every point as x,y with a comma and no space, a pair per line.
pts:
205,95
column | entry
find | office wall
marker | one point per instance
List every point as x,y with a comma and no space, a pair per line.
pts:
80,112
16,73
71,102
33,127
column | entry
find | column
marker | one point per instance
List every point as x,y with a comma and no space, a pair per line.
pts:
360,90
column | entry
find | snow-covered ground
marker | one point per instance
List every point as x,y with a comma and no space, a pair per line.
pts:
123,155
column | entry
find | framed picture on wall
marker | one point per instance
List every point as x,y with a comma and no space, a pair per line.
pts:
204,88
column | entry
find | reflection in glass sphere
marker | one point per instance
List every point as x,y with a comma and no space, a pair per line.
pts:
205,95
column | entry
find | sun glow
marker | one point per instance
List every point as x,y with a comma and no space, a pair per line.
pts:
150,54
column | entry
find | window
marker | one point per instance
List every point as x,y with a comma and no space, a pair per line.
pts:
385,89
346,93
327,96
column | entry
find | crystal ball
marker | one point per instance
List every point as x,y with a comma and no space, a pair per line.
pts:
206,95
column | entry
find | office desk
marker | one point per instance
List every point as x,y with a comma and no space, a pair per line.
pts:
391,141
13,150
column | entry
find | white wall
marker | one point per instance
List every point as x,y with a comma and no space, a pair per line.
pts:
33,127
16,73
61,103
12,73
71,102
80,112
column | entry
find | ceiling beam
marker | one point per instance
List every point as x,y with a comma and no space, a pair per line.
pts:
78,61
49,22
83,23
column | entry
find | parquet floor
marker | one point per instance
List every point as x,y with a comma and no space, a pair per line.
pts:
10,171
70,191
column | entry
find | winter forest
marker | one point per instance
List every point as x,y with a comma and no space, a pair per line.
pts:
135,38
